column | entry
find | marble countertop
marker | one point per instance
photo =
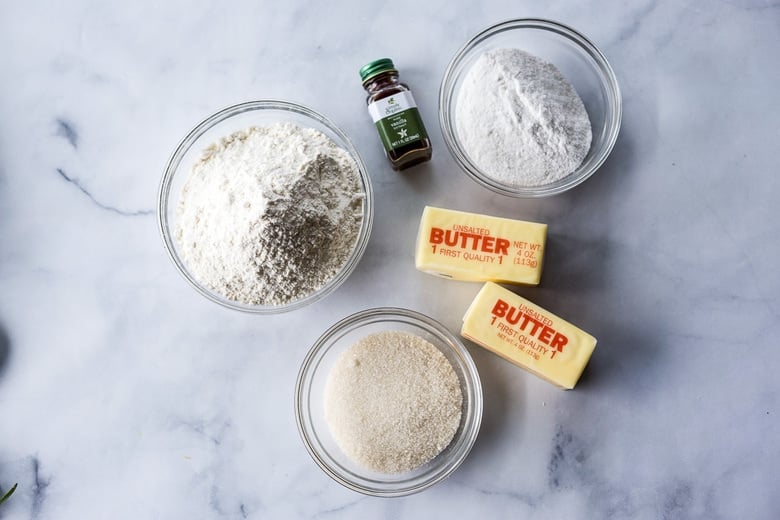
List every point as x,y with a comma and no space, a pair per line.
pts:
125,394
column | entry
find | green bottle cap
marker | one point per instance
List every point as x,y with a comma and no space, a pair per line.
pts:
375,67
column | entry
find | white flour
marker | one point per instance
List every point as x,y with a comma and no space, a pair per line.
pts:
269,215
392,402
520,120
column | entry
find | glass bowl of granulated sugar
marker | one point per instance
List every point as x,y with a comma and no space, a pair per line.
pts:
265,207
388,402
529,108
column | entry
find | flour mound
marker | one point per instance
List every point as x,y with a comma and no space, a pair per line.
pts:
520,121
269,215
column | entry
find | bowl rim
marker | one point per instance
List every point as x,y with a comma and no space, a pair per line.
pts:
186,143
578,176
367,317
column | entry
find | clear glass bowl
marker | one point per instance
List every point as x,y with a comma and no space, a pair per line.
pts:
583,65
309,402
223,123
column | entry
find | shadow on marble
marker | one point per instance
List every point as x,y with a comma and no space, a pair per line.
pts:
5,349
419,177
499,401
624,360
573,266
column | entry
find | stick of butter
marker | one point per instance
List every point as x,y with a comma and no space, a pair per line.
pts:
527,335
479,248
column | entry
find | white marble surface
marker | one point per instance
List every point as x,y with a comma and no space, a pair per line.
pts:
126,395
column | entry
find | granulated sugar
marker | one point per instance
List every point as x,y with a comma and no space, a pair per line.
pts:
520,121
392,402
271,214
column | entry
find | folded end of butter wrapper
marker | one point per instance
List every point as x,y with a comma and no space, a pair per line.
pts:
479,248
528,335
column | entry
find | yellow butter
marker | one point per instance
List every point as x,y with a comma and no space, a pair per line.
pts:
479,248
527,335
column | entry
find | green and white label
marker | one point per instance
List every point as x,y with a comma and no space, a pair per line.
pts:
397,119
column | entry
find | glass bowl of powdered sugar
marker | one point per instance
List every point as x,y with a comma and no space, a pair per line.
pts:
529,108
388,402
265,207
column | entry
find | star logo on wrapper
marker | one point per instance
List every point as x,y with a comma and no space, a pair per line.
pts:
403,133
391,101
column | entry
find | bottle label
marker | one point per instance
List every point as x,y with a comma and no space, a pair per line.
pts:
397,120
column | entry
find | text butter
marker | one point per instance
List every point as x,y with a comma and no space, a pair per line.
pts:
528,336
479,248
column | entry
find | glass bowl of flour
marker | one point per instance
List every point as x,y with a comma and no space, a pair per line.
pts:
374,402
265,207
529,108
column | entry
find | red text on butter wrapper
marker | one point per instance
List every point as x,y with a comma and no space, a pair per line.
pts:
531,323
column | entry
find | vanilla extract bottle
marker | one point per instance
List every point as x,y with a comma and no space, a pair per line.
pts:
394,111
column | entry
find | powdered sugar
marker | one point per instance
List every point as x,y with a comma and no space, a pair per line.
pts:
269,215
520,121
